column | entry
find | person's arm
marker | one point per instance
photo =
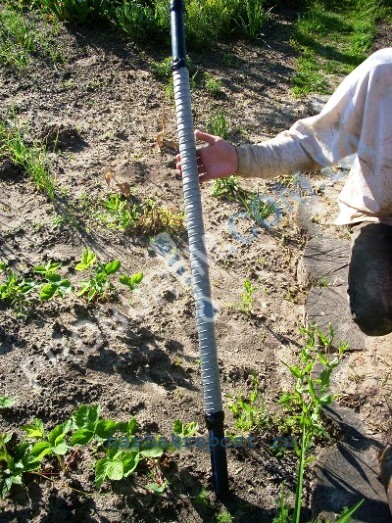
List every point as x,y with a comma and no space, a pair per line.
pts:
280,155
353,121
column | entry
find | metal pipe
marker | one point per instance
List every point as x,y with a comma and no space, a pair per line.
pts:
197,250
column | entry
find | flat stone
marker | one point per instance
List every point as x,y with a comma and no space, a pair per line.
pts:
325,260
327,306
349,472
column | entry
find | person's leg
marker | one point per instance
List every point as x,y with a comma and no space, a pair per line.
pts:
370,278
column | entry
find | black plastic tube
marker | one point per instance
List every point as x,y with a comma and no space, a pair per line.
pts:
197,252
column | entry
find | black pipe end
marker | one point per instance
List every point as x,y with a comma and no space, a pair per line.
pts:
214,422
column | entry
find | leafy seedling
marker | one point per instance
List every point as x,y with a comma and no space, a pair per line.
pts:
16,290
185,430
13,466
157,488
52,443
249,413
247,297
89,258
98,286
89,426
133,281
56,285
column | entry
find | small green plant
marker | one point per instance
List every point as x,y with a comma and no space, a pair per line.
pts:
147,218
133,281
249,413
311,394
98,286
251,18
56,285
323,282
185,430
203,498
217,125
258,208
224,517
247,297
163,69
213,86
33,159
228,189
16,291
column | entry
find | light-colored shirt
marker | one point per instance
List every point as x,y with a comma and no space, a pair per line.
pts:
357,119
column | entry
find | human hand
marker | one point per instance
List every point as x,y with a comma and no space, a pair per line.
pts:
217,160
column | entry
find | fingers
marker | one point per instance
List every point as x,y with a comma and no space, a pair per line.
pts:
200,166
205,137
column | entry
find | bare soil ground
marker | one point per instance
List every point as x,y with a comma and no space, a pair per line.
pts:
139,356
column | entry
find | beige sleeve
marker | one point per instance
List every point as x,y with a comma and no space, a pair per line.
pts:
280,155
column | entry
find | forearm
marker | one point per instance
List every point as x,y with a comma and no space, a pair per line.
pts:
280,155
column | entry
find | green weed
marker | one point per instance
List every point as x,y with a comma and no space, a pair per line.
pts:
256,207
251,17
213,85
146,218
305,403
185,430
143,22
5,402
249,413
33,159
22,36
247,297
224,517
217,125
